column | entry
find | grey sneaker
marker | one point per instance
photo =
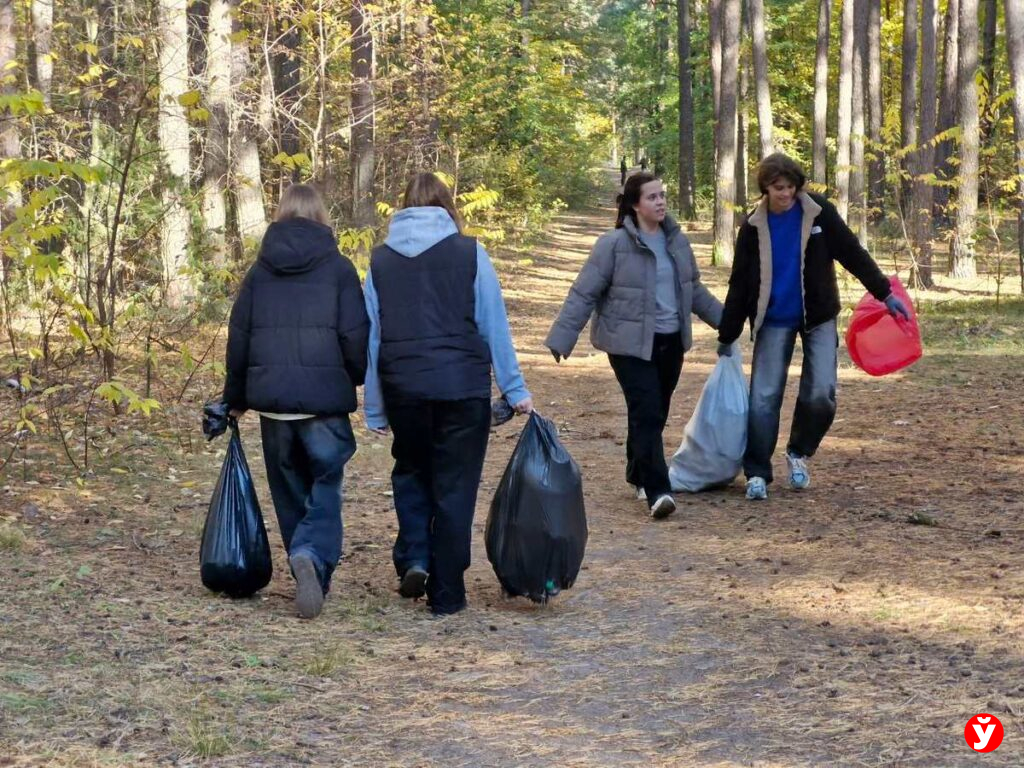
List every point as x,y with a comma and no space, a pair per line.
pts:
641,494
799,475
414,582
664,506
757,488
309,594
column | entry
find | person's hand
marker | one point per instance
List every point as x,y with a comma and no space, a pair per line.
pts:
895,307
725,350
556,355
379,431
524,406
237,413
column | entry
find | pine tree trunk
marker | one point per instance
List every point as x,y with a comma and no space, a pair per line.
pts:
687,169
218,100
908,97
922,208
42,33
819,148
362,155
876,114
844,109
715,43
742,139
988,68
963,257
858,187
174,144
948,107
1015,51
762,92
725,181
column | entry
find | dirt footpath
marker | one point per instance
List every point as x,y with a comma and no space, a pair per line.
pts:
819,628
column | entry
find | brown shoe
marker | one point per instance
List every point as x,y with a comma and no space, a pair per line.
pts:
309,595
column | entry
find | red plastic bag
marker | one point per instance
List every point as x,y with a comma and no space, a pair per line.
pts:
879,343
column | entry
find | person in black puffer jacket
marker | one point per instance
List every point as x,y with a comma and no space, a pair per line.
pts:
296,352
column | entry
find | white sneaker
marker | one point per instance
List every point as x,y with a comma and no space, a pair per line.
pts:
663,507
639,491
757,489
799,475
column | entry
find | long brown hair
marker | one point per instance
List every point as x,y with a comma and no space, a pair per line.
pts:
425,189
302,201
631,196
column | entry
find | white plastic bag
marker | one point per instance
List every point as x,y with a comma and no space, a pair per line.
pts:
711,454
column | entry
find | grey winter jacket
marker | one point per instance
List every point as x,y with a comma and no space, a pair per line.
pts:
617,286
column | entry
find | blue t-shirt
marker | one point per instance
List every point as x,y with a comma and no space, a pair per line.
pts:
786,304
667,303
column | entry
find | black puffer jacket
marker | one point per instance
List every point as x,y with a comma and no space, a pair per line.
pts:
298,332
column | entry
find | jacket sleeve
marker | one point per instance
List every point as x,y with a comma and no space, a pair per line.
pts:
373,396
734,313
353,324
705,304
239,332
845,248
492,322
590,285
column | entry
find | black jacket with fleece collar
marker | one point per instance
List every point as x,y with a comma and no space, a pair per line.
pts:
824,239
298,332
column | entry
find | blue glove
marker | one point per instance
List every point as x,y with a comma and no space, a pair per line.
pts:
725,350
895,307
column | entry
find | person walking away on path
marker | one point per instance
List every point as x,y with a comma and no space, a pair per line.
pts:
641,284
784,282
296,352
623,170
437,327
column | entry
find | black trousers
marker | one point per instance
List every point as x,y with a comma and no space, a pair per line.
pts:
439,449
648,386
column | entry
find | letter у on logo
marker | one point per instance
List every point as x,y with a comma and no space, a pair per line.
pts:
983,732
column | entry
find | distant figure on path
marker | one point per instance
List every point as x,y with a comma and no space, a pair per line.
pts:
623,169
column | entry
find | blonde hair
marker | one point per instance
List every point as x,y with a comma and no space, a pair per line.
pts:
425,189
302,201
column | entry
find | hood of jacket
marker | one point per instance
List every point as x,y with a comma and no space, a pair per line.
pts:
415,230
296,245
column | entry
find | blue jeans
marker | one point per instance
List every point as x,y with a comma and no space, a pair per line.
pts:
815,403
305,462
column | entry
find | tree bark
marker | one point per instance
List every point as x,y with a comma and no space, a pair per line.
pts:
908,98
948,106
988,68
762,91
218,99
742,137
362,155
963,257
1015,51
246,173
42,33
858,187
876,114
819,148
921,213
715,43
10,143
174,145
725,129
687,166
844,109
286,87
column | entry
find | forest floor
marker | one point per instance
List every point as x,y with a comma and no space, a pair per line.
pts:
819,628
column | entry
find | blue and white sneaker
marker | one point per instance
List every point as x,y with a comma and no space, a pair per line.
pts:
799,475
757,489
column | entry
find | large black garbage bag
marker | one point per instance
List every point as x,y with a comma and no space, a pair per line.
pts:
234,556
537,528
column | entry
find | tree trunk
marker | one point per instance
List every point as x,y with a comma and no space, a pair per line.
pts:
988,68
245,172
742,138
218,99
42,33
921,213
1015,51
819,149
725,129
858,187
845,116
362,155
948,101
963,261
762,92
10,144
908,98
286,85
876,114
687,165
715,42
174,144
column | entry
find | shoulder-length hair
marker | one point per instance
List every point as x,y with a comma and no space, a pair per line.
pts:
425,189
631,196
302,201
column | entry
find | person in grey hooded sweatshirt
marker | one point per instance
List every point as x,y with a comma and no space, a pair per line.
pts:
437,327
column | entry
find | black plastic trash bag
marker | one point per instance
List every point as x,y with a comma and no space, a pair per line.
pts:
215,418
537,528
234,556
